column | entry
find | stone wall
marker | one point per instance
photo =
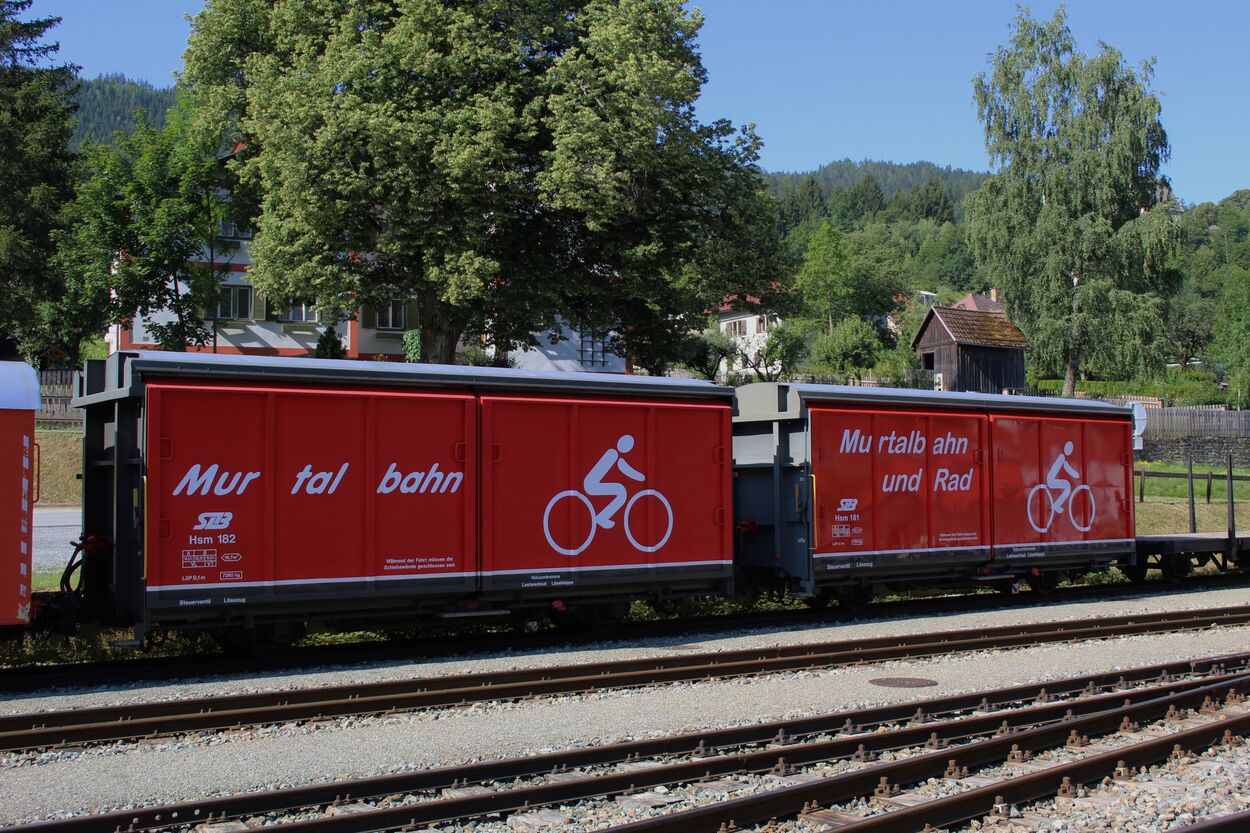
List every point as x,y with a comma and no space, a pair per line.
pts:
1210,451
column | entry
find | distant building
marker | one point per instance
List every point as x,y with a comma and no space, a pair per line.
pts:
988,302
577,350
971,350
748,324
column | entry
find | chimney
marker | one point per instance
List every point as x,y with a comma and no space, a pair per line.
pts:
994,293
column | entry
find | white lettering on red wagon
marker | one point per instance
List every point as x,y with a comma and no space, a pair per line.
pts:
198,480
431,481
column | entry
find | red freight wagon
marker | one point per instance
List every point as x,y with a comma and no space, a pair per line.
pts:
254,491
19,399
842,486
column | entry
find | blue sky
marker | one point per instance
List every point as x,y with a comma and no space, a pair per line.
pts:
825,80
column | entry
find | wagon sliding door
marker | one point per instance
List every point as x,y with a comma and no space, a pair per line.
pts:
897,490
1034,521
550,467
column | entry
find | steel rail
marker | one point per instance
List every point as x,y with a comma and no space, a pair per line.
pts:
76,726
33,678
1229,823
793,801
849,727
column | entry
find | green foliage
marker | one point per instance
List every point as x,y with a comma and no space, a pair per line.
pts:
893,178
1175,390
706,350
36,99
848,350
330,345
849,275
107,105
412,345
1069,222
501,162
784,348
141,237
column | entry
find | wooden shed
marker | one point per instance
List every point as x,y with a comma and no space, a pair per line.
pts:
971,350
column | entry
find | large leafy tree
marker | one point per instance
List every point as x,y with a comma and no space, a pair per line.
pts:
1069,223
141,238
36,121
502,162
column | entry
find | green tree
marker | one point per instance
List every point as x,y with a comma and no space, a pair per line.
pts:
1069,222
502,162
1189,320
931,202
783,350
855,274
706,351
36,178
141,241
867,196
851,348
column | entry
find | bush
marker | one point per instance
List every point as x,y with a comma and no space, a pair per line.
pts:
1179,389
848,350
330,345
412,346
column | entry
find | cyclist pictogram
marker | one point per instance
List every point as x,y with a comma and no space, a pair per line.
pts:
594,485
1058,497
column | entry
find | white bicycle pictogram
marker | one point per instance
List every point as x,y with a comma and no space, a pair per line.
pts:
1051,512
595,523
1060,495
594,484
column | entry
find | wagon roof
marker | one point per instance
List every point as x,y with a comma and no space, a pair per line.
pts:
781,400
19,387
122,372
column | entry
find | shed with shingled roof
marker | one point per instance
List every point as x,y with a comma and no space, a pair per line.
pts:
971,350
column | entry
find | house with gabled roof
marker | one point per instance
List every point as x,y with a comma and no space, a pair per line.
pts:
971,350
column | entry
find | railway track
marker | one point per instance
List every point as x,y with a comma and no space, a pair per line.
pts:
144,720
942,738
31,678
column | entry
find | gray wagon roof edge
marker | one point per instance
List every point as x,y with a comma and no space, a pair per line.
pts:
146,364
774,400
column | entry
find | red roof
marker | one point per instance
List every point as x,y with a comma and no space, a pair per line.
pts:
977,301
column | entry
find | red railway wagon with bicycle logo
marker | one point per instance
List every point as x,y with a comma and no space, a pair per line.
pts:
247,496
855,487
246,493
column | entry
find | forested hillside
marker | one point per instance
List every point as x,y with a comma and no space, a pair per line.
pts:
107,104
892,177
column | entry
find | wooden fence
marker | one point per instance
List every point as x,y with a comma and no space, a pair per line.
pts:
1195,484
1196,422
56,388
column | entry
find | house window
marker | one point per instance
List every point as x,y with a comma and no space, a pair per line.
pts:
303,311
590,351
230,231
926,361
390,317
737,329
235,302
761,324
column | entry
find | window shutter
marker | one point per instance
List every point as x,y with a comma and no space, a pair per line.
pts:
368,317
260,305
412,320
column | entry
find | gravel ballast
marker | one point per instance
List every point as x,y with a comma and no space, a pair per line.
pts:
34,786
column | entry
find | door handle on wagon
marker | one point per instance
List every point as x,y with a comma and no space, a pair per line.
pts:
496,453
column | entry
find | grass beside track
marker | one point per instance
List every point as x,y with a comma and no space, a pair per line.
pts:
60,465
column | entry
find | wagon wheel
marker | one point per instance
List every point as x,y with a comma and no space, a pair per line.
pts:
1176,568
1044,584
1135,573
854,597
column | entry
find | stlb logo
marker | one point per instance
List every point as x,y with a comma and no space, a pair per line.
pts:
214,520
848,504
